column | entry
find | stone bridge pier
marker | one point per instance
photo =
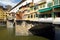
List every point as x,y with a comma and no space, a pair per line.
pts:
22,28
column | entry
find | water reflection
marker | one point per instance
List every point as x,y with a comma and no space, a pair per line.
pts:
8,34
57,33
44,30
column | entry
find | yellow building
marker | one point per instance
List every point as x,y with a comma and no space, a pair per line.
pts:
3,14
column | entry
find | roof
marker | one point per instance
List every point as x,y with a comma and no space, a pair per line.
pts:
22,3
16,8
18,4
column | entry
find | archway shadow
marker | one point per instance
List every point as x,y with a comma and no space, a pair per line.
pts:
44,30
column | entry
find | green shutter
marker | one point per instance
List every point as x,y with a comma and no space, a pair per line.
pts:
59,2
55,2
50,4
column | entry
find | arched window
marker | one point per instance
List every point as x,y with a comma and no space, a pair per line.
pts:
31,16
28,16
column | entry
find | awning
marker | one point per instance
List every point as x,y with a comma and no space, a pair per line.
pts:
56,6
44,10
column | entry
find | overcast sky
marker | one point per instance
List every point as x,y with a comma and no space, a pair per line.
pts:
9,2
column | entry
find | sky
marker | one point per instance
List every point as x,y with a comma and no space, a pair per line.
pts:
9,2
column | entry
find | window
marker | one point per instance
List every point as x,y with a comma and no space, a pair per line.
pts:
28,16
43,5
40,6
59,2
36,15
31,8
56,2
48,15
49,4
41,16
31,16
28,10
57,14
35,7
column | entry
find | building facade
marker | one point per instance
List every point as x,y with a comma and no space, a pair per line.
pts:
41,11
3,13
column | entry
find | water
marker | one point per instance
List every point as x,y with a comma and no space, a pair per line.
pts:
57,33
8,34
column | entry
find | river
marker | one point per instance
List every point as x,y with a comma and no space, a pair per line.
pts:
8,34
44,33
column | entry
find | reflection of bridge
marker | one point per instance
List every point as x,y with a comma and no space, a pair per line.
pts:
3,23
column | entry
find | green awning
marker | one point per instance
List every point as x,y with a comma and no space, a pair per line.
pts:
44,10
56,6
